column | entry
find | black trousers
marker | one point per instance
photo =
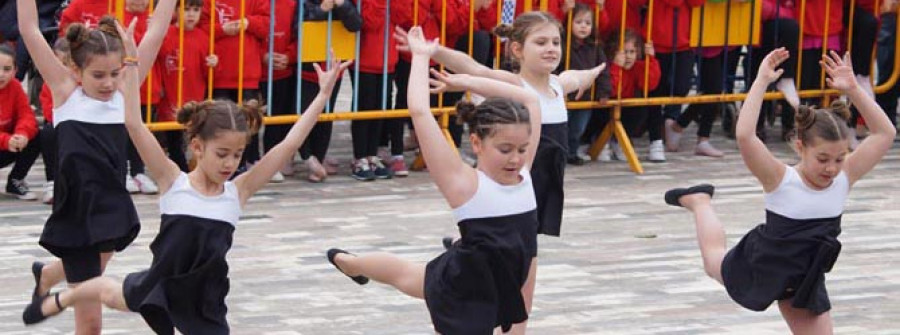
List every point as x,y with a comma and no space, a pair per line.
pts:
778,33
886,52
49,150
21,161
714,79
481,52
251,152
677,70
367,133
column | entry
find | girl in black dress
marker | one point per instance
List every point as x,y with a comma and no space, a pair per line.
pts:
475,286
186,285
93,215
785,259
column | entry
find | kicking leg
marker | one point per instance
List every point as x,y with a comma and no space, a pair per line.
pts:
802,321
406,276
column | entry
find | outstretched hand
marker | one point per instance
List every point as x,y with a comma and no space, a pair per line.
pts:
447,82
768,69
415,42
585,87
128,38
840,73
327,78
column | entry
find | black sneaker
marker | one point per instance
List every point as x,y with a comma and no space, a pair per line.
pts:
575,160
361,170
20,189
379,169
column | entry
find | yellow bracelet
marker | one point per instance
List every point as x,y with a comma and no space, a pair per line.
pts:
130,61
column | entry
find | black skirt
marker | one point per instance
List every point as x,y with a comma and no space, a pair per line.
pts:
186,285
783,259
547,173
92,210
475,286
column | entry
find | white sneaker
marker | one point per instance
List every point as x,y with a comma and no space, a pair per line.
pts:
145,184
130,185
605,154
704,148
617,152
47,198
277,177
657,152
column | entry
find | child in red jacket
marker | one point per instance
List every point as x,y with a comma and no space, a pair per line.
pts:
194,64
18,128
88,12
228,25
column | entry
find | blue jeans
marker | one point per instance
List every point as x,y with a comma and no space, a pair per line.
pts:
578,120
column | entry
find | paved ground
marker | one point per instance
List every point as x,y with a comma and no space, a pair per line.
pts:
626,263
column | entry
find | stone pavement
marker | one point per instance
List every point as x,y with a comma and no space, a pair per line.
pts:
626,263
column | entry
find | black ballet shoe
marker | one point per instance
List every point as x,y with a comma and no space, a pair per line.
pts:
36,270
362,280
674,195
447,242
33,314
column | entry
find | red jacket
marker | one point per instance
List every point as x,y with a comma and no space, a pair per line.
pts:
16,116
285,39
46,99
613,12
227,47
814,17
554,7
633,79
774,9
154,77
88,12
458,24
666,24
869,6
194,70
372,39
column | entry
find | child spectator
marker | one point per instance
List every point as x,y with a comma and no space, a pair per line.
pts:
195,59
283,60
18,128
779,29
612,11
136,180
585,53
376,34
671,40
88,12
627,69
315,148
228,27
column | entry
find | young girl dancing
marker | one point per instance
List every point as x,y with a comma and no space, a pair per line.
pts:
93,214
475,286
534,45
785,259
186,284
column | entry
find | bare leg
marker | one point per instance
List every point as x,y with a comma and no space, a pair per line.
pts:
96,290
51,274
528,295
406,276
89,313
802,321
710,234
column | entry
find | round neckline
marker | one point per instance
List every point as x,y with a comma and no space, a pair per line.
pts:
556,94
521,179
812,189
195,190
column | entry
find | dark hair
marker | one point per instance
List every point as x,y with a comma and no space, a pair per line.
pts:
482,118
86,42
582,8
829,124
613,44
6,50
205,119
520,29
193,3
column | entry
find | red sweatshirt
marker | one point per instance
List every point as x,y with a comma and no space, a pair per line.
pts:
16,116
869,6
285,39
155,74
553,7
194,70
613,12
88,12
227,47
429,19
372,39
774,9
633,79
666,24
458,23
814,17
46,99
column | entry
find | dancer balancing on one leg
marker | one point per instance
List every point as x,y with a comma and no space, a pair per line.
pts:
785,258
93,214
534,45
186,284
475,286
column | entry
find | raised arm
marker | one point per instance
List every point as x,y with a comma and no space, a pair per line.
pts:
459,62
579,80
762,164
257,177
164,170
156,32
55,74
881,131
